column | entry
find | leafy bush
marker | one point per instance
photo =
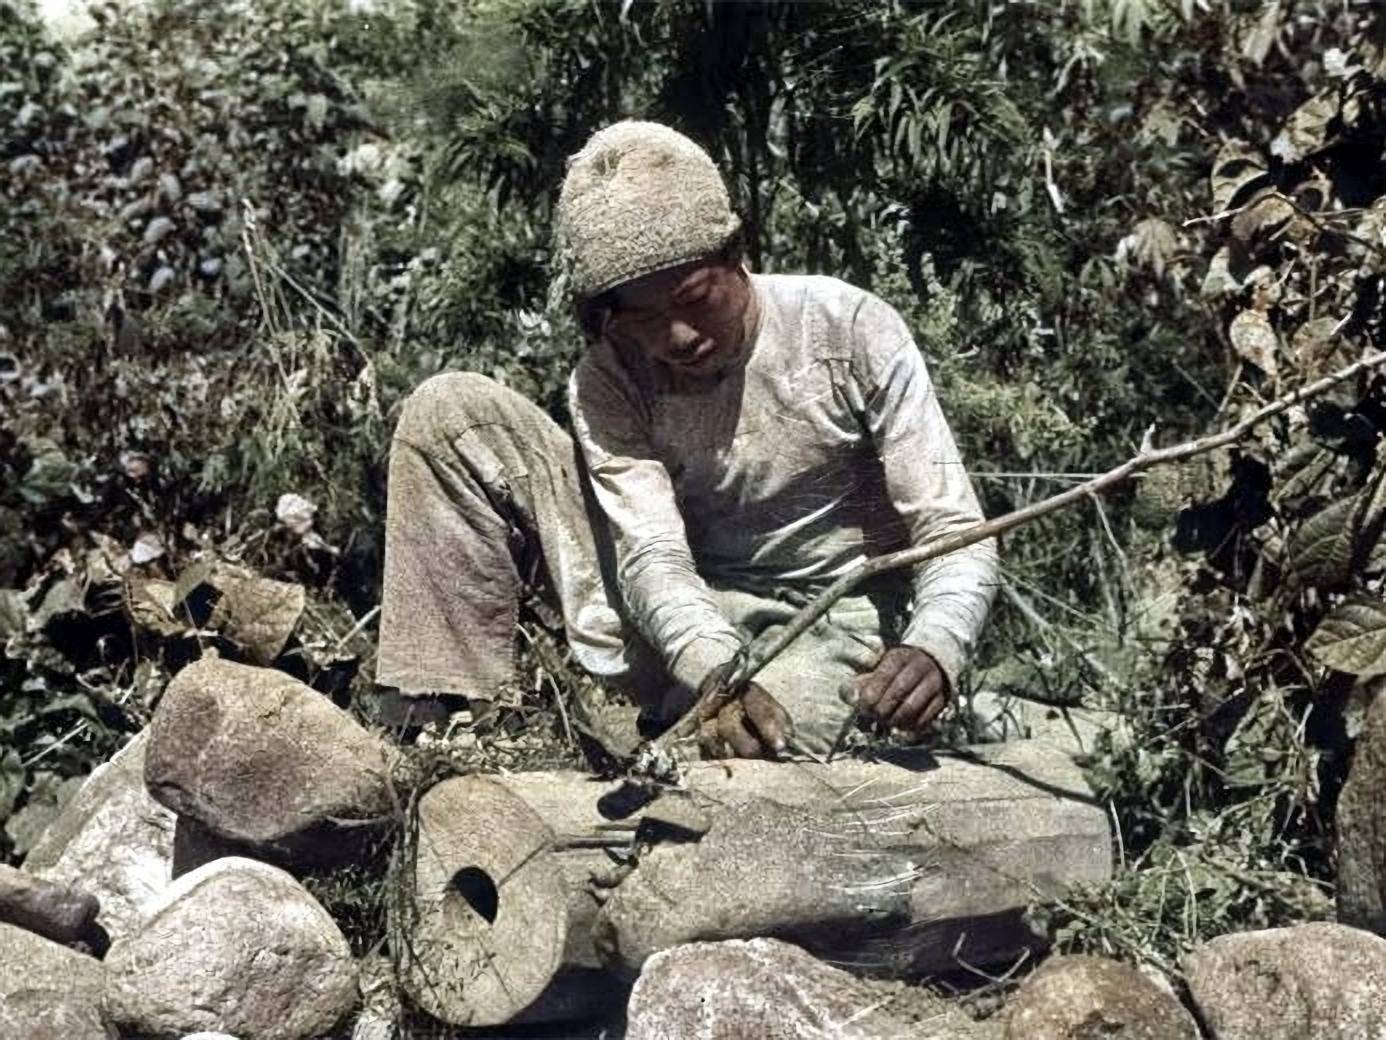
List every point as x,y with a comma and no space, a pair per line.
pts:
233,237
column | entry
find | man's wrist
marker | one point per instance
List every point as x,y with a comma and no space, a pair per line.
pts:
700,656
943,648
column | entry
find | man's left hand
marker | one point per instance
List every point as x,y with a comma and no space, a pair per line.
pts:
906,690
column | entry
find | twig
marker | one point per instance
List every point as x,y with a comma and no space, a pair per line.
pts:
755,657
366,619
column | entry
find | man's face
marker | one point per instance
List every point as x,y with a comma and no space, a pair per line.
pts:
691,317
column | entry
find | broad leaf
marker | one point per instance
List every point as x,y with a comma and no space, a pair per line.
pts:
1352,638
1321,548
1238,171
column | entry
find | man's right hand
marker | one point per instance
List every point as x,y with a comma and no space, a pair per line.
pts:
753,725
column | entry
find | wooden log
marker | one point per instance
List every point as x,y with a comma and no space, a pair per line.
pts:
63,913
943,853
504,904
899,866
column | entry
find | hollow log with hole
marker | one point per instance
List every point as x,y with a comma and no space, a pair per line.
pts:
909,864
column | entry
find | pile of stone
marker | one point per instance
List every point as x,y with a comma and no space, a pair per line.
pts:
167,855
756,899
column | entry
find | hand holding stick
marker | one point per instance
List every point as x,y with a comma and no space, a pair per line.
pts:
757,657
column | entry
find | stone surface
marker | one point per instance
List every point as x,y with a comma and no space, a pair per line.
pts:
112,840
1091,998
195,846
256,756
766,988
48,992
236,945
1362,825
1309,982
58,912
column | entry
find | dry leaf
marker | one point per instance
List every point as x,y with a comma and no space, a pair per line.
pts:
1255,341
258,613
146,549
152,603
1153,243
1263,218
296,513
1238,171
1314,347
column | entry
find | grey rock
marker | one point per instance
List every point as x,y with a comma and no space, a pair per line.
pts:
236,945
137,208
157,230
58,912
162,277
195,846
1361,889
169,187
257,757
1309,982
112,840
204,202
1079,998
142,168
767,988
48,992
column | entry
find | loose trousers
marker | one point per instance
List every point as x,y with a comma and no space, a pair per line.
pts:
487,501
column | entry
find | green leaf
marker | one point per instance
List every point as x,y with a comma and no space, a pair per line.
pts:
1321,548
50,473
1352,638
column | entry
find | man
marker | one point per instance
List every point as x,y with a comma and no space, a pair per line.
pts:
742,440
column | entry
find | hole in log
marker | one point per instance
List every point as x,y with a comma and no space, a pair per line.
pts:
475,886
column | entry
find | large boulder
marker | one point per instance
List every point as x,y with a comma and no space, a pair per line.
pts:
1309,982
58,912
236,945
47,991
1088,998
258,757
764,987
112,840
1362,825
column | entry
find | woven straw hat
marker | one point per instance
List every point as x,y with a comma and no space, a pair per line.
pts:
638,198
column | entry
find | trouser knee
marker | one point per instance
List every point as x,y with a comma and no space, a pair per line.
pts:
444,405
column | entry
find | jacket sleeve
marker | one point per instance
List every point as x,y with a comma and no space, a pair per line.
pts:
928,485
668,601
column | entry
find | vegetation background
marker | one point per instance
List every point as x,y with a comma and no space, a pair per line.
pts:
235,234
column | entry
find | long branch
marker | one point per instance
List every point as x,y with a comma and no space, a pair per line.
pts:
757,657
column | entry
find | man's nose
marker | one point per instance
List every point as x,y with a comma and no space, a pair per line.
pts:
683,336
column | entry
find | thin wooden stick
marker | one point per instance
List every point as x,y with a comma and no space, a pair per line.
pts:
754,657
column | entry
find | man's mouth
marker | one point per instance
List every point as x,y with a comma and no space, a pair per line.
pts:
699,354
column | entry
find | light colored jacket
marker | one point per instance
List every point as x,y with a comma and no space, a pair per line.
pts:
825,446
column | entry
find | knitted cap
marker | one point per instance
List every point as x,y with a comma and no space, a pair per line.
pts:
638,198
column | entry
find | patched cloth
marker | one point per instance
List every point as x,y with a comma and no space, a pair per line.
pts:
824,446
638,198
